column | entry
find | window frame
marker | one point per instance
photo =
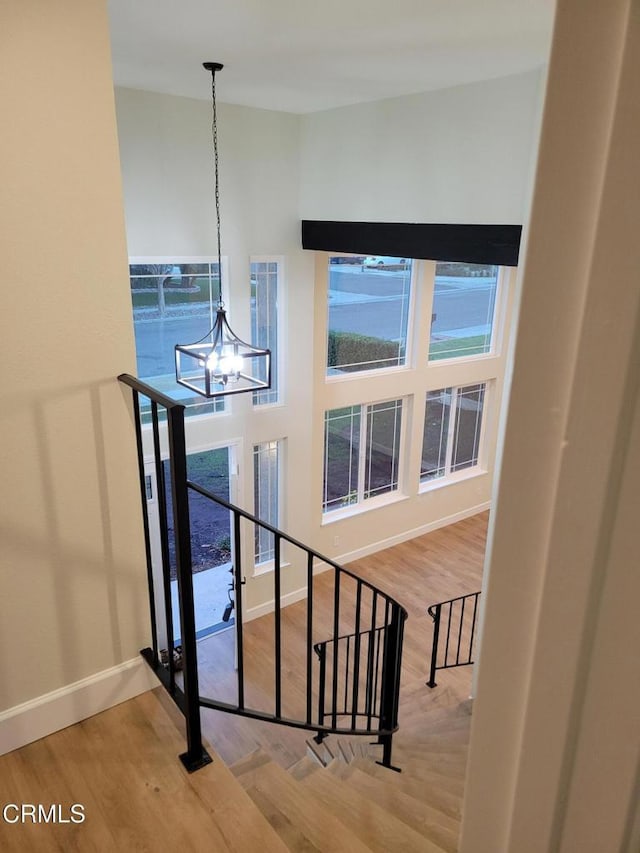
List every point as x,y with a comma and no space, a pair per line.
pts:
278,363
497,326
264,566
337,378
220,406
362,503
479,468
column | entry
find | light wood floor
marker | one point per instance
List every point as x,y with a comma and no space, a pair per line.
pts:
122,765
423,571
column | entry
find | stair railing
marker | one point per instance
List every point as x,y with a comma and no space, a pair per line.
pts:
459,617
351,687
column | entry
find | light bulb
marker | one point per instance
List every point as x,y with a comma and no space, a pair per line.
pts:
212,361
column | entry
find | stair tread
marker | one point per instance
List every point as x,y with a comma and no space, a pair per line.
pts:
255,759
378,828
421,816
304,767
422,790
295,813
236,823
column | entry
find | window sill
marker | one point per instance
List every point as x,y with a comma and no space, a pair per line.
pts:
363,507
267,567
331,378
452,479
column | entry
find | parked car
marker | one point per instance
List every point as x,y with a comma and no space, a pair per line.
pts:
346,259
382,261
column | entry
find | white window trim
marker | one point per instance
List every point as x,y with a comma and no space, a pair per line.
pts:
266,566
351,376
281,313
479,468
497,327
367,505
364,504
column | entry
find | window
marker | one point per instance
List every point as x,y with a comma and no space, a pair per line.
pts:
369,301
266,497
452,428
464,300
361,453
173,302
264,323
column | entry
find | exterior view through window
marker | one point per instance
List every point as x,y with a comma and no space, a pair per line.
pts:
264,324
265,486
173,302
464,300
362,453
369,299
452,428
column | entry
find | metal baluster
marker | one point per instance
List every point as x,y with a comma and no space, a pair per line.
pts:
196,756
336,627
356,658
460,630
309,631
237,583
446,649
161,488
145,524
278,626
370,681
434,649
473,625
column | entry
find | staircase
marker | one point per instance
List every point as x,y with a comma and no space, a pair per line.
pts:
338,798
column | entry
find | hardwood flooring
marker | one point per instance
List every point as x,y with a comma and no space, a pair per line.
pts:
435,567
122,765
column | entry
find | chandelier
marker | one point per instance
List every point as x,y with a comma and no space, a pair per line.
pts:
220,363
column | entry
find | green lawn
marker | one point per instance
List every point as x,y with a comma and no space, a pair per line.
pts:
455,348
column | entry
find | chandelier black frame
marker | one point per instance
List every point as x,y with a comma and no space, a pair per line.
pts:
220,363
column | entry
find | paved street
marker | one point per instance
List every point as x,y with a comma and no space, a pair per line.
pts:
366,302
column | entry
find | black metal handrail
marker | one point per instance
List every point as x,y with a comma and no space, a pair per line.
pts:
461,621
353,689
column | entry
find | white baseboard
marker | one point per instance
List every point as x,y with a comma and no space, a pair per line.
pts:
53,711
269,606
372,548
381,544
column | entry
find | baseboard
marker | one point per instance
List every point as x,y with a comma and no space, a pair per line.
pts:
68,705
372,548
269,606
389,542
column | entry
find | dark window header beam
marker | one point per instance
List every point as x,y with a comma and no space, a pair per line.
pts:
473,244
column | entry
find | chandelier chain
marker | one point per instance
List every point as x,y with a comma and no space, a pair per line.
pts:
214,134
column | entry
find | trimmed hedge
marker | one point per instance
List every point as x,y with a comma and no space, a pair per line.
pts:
349,351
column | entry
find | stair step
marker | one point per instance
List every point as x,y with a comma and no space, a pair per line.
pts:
304,767
293,810
255,759
235,822
377,828
428,821
318,752
423,790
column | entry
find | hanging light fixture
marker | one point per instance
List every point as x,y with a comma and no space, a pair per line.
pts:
220,363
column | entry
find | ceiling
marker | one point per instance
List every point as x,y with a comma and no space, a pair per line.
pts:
306,55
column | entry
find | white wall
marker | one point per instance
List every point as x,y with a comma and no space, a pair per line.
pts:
73,599
459,155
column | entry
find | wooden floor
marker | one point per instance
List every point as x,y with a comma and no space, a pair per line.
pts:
423,571
121,765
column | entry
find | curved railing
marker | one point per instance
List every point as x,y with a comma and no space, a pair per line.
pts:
350,686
